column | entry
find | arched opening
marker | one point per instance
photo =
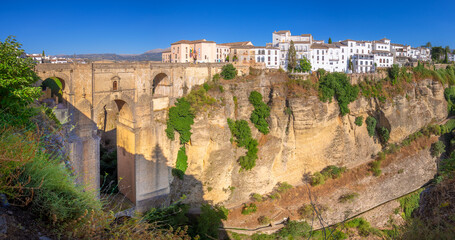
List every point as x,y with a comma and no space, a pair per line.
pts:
53,91
114,86
114,121
161,85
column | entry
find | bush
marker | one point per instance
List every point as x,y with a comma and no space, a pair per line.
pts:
249,209
363,227
384,135
199,99
375,167
348,197
228,72
257,197
306,211
260,113
210,220
242,133
358,121
182,163
338,85
216,77
264,220
294,229
394,71
437,149
449,94
331,171
284,187
409,203
371,125
180,119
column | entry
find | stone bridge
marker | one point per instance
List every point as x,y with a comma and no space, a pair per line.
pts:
119,104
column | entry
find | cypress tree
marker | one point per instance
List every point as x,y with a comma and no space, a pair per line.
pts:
292,58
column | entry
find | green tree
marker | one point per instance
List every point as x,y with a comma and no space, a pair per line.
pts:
394,71
260,113
305,65
227,58
228,71
44,54
371,125
16,82
438,148
338,85
437,53
330,41
350,66
292,57
428,45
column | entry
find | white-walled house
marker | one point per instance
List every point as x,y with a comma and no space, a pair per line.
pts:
270,56
363,63
302,43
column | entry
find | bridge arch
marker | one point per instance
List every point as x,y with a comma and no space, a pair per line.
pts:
161,84
114,116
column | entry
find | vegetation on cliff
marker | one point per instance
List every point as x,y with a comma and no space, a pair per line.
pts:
260,113
338,85
228,72
242,133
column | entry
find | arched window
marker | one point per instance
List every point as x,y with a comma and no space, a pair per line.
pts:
114,86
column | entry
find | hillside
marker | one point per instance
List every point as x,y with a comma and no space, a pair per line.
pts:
152,55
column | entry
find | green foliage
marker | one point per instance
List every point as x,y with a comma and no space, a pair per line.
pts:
228,71
371,125
292,56
260,113
363,227
330,41
338,85
264,220
384,135
216,77
294,229
394,71
275,196
449,94
307,211
375,166
55,85
249,209
257,197
409,203
199,99
331,171
304,65
182,163
283,187
358,121
242,133
348,197
28,171
16,83
437,53
181,117
108,170
438,148
210,220
173,216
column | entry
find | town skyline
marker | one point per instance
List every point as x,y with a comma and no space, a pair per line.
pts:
104,27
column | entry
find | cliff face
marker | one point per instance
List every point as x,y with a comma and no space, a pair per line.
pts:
312,137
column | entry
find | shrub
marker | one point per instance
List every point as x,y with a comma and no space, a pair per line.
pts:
228,72
331,171
284,187
260,113
182,163
249,209
358,121
275,196
437,149
375,167
242,133
216,77
199,99
294,229
348,197
409,203
210,220
306,211
257,197
371,125
384,135
394,71
263,220
180,119
363,227
337,85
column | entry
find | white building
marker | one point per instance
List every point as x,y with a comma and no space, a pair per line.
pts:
302,44
363,63
331,57
268,55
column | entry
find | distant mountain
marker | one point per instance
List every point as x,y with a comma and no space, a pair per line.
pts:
152,55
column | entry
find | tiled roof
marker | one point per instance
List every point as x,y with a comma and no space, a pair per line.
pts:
306,35
192,42
233,44
319,46
282,32
302,42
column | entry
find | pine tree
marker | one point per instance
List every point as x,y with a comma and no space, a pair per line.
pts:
330,40
292,58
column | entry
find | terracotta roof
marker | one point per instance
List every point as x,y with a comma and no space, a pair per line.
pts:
192,42
396,44
166,51
384,39
306,35
319,46
380,51
304,42
282,32
233,44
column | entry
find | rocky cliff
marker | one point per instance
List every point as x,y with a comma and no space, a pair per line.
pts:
306,139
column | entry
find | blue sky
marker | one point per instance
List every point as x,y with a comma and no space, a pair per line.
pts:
131,27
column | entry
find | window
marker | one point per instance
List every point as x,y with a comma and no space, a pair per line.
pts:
269,52
114,86
259,59
269,59
322,58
